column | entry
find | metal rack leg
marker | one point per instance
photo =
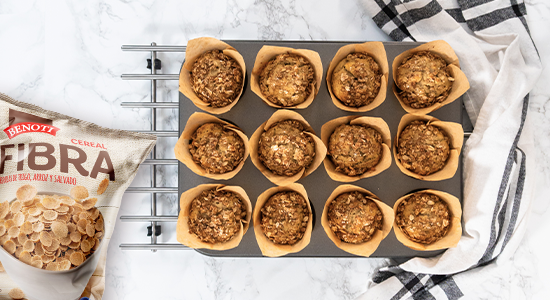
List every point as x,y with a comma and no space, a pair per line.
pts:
154,152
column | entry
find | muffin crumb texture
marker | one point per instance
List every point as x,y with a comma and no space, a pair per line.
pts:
216,149
355,149
354,217
424,80
356,80
215,216
424,218
217,79
284,218
423,149
287,80
285,148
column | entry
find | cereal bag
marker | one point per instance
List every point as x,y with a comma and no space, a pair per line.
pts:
61,183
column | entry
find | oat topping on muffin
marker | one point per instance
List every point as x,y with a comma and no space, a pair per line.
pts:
356,80
217,79
354,217
423,149
287,79
424,218
424,80
285,148
215,216
355,149
284,218
216,149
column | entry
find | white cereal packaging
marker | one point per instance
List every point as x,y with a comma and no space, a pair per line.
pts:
61,184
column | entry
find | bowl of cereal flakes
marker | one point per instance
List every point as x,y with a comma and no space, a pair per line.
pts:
50,241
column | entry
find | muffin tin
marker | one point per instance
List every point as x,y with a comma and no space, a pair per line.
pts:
250,112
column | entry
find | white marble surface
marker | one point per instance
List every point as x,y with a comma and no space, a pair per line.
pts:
65,56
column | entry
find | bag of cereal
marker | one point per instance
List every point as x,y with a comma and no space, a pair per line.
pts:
61,183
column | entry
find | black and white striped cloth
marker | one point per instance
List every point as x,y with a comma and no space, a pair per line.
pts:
492,41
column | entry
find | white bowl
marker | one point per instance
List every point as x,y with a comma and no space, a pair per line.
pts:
39,284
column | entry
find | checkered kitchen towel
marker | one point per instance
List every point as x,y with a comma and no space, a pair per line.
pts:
492,41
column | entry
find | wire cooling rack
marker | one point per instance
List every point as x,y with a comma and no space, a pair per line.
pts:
154,229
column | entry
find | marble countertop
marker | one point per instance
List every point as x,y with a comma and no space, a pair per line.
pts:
65,56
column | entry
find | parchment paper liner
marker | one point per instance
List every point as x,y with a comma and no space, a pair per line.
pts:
191,240
182,146
267,53
267,247
448,241
377,123
456,138
378,52
368,247
195,48
441,48
280,115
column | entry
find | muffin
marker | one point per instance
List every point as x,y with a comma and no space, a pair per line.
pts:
423,148
287,80
285,77
355,220
428,77
215,216
285,149
283,220
354,217
217,79
356,80
355,149
285,217
213,75
212,147
424,79
424,218
216,149
428,220
357,76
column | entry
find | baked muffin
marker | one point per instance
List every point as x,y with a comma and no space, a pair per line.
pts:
285,148
215,216
287,80
356,80
354,217
284,218
423,149
423,79
216,78
424,218
355,149
215,149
